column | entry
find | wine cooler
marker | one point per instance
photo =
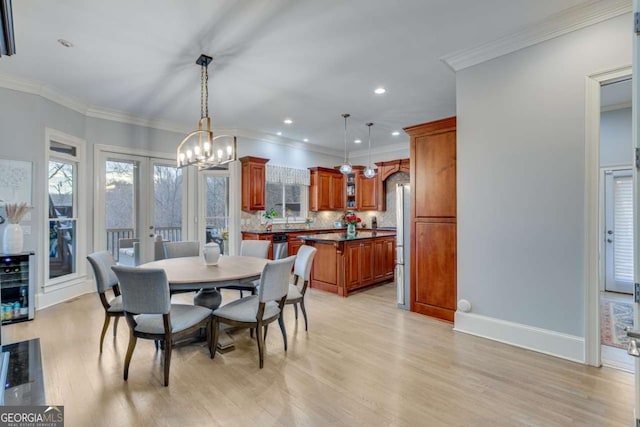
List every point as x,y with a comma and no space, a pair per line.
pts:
16,287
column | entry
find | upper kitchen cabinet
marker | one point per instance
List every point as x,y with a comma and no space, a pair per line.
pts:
253,183
368,191
388,168
327,190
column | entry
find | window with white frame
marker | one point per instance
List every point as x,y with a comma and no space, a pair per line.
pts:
64,241
287,193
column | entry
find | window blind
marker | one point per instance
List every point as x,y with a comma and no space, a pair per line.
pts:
623,226
287,175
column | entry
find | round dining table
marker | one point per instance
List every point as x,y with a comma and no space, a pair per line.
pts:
192,274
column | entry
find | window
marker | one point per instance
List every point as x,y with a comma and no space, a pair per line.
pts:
217,206
289,200
65,241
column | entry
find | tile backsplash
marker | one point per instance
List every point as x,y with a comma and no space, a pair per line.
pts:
326,219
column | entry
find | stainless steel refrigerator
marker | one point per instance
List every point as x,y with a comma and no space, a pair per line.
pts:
403,242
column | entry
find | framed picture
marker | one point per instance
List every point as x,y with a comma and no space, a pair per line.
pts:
15,181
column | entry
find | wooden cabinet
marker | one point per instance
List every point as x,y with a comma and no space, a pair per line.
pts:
366,192
383,258
327,190
386,169
253,183
294,243
369,261
433,218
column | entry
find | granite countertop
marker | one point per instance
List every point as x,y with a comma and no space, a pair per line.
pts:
311,230
342,237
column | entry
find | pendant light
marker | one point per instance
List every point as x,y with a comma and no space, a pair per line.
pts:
369,172
200,148
346,167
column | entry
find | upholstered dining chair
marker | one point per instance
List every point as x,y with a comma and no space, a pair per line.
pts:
257,249
258,311
301,271
181,249
150,314
101,263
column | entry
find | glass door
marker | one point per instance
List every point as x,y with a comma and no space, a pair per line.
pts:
215,208
140,205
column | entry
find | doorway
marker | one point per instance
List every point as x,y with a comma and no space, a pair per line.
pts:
616,236
138,206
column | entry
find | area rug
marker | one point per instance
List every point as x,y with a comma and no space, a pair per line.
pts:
614,317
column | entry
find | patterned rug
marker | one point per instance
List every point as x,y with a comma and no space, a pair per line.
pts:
614,317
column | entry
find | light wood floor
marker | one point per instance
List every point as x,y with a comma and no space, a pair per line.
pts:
363,362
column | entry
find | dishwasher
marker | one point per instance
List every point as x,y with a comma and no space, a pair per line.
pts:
280,245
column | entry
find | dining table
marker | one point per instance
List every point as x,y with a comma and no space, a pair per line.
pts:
186,274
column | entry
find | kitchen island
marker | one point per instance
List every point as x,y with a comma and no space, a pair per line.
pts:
344,264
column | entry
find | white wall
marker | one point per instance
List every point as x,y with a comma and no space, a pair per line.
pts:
615,138
521,177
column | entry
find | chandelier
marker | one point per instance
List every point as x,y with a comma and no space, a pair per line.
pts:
200,148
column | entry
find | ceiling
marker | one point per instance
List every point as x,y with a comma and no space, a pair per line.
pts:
305,60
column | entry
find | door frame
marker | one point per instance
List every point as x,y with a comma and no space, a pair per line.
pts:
99,153
592,214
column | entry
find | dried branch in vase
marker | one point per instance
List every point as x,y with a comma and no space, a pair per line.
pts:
16,212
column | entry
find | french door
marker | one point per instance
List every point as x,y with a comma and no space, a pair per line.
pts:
215,208
139,202
618,238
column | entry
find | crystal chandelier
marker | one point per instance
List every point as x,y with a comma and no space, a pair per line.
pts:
346,166
369,172
200,148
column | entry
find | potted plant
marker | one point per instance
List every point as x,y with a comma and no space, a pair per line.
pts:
268,216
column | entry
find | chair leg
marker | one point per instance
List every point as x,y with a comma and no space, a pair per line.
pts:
251,332
127,360
115,326
260,339
168,345
216,336
266,328
240,293
212,350
105,326
295,310
284,331
304,313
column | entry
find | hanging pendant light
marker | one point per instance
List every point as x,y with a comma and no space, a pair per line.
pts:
200,148
346,166
369,172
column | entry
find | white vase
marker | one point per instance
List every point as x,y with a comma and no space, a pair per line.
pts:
211,253
351,230
13,239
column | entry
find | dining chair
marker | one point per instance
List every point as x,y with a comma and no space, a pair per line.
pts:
301,271
257,249
181,249
101,263
258,311
150,314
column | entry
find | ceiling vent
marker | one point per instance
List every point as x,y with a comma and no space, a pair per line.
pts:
7,40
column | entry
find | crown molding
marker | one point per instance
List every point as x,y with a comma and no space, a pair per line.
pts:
391,148
287,142
572,19
122,117
52,94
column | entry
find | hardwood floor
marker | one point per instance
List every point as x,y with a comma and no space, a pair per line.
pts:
363,362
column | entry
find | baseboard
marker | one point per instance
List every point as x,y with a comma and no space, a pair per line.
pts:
545,341
44,300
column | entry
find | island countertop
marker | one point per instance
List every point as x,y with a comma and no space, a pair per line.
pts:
342,237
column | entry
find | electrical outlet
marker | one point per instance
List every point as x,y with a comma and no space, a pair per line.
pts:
26,229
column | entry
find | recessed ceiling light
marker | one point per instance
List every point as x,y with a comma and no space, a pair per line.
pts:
287,121
65,43
279,133
357,141
395,133
379,91
306,140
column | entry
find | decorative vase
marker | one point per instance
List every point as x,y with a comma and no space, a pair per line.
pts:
211,253
351,230
13,239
